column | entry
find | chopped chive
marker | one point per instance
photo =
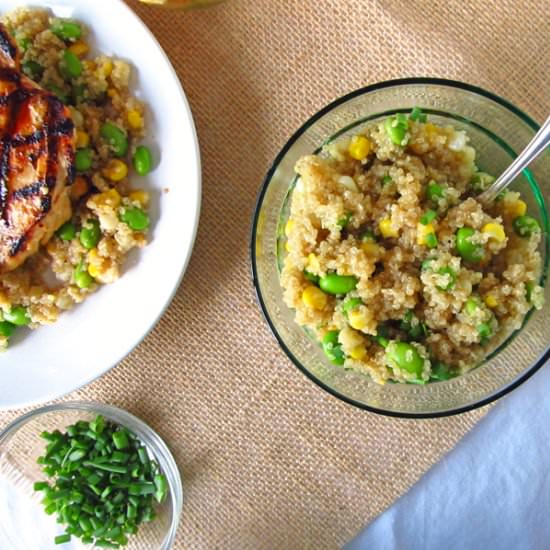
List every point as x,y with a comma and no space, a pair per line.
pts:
62,539
41,485
386,180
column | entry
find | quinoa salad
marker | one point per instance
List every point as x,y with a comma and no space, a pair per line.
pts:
109,214
392,263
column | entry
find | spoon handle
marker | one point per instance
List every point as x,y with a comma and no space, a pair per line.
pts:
536,146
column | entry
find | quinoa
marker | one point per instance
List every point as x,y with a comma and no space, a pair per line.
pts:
45,284
386,217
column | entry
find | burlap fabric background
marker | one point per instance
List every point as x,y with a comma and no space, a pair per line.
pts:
269,460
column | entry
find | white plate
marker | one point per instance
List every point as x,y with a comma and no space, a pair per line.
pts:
84,343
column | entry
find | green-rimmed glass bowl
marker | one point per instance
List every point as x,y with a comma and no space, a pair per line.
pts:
498,131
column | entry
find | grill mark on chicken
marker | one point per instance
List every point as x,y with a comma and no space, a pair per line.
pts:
6,45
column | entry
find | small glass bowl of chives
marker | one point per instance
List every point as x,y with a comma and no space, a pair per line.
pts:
81,466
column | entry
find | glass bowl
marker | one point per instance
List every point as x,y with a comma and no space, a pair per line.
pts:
499,131
20,508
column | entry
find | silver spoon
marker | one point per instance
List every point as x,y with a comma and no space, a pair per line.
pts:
536,146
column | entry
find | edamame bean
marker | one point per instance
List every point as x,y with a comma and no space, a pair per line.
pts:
90,234
472,305
434,192
406,357
529,287
143,160
338,284
332,349
6,329
311,277
83,279
83,160
427,264
415,328
440,371
418,115
33,69
67,232
428,217
17,316
396,130
351,303
70,66
116,138
525,226
485,332
67,30
386,180
468,250
451,278
431,240
135,218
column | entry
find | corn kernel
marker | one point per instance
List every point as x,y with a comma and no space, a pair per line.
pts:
422,231
313,263
515,208
371,249
359,147
358,352
80,48
314,298
106,69
387,229
135,120
357,319
490,301
290,224
287,247
495,231
79,187
116,170
94,258
82,139
108,198
139,196
112,93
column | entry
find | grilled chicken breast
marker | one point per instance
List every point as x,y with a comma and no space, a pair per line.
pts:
36,161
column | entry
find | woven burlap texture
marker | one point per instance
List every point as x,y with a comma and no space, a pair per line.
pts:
268,459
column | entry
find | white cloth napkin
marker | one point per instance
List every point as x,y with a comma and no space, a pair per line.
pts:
491,491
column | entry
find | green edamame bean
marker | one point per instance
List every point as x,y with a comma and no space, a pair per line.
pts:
434,192
413,326
338,284
440,371
70,66
67,232
17,316
451,278
66,30
143,160
6,329
90,234
431,240
33,69
418,115
83,279
525,226
135,218
396,130
529,287
472,305
468,250
485,331
83,160
332,349
351,303
116,138
427,264
311,277
406,357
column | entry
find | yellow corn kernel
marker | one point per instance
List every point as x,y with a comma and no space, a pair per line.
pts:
387,229
290,225
80,48
139,196
116,170
359,147
94,258
108,198
79,187
490,301
82,139
422,231
371,249
288,247
515,208
314,298
313,263
135,119
495,231
357,319
106,68
111,92
358,352
94,271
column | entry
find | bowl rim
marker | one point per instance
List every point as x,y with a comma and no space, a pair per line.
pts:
153,441
254,230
